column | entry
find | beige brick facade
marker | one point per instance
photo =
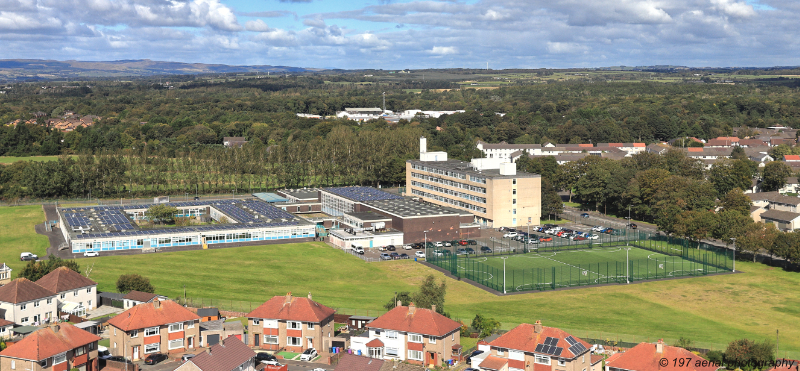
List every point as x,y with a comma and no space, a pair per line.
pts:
263,334
131,344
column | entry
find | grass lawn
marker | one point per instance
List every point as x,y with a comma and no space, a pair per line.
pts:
11,159
468,343
287,355
710,310
104,342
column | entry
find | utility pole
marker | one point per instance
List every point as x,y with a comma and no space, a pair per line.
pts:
734,254
627,267
504,273
384,102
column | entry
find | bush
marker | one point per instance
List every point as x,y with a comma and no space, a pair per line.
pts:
130,282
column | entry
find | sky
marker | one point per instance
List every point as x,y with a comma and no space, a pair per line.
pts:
416,34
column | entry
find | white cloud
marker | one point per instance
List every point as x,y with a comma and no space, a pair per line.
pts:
256,26
734,8
566,48
443,50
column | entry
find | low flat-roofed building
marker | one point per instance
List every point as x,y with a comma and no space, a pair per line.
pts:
300,195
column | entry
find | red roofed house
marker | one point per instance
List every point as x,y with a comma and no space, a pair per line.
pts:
416,335
26,303
228,355
646,356
537,348
76,293
790,158
55,348
156,327
292,323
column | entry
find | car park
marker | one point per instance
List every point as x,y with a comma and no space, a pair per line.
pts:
438,244
633,226
531,241
578,238
598,228
91,253
609,230
470,250
404,256
592,237
391,248
510,235
264,356
585,215
472,242
447,244
308,354
418,245
485,249
28,256
406,247
386,256
419,254
154,358
462,252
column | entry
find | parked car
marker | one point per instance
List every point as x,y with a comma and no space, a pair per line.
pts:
417,246
633,226
403,256
386,256
155,358
472,242
598,228
438,244
485,249
461,252
395,256
546,239
187,357
308,354
391,248
592,237
447,244
102,352
264,356
272,362
118,359
470,250
463,243
419,254
578,238
510,235
532,241
358,250
609,230
585,215
28,256
91,253
406,247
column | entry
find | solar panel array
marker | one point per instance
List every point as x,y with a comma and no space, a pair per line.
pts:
575,346
268,211
362,194
77,220
550,347
115,219
205,228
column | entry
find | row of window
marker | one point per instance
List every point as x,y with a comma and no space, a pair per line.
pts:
60,358
449,182
153,331
449,192
449,201
291,325
439,171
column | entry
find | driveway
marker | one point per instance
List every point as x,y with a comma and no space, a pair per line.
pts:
102,311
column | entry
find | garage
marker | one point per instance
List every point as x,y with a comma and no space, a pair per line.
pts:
213,339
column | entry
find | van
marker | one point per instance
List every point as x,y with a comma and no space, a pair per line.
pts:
357,249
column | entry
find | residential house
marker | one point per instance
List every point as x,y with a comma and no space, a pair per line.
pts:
407,333
231,142
26,303
791,186
5,329
647,357
5,274
76,293
211,332
783,220
208,314
536,347
291,323
55,348
154,327
229,355
746,143
135,298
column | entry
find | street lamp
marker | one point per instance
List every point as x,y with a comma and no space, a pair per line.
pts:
734,254
627,267
504,273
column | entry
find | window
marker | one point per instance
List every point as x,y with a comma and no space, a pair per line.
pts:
91,346
391,352
293,325
514,211
293,341
414,338
256,321
310,326
50,301
500,352
36,304
150,331
514,191
149,348
175,344
514,181
415,355
2,330
391,334
115,331
542,360
514,201
59,358
89,290
270,339
562,362
583,359
75,293
24,320
115,345
175,327
88,303
23,306
376,352
134,333
432,339
190,324
63,295
80,351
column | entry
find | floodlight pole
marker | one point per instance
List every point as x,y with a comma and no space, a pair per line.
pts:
734,254
627,267
504,273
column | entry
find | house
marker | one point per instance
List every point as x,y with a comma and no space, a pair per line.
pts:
231,142
5,329
529,347
5,274
76,293
208,314
791,186
407,333
135,298
154,327
212,332
292,323
55,348
229,355
26,303
646,357
783,220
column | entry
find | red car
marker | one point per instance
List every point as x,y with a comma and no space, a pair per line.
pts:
546,239
462,243
579,238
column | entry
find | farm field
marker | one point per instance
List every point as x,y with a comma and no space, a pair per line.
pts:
710,310
6,160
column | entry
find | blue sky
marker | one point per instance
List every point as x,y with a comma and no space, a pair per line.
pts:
393,34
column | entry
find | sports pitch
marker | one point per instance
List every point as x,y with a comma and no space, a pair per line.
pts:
577,266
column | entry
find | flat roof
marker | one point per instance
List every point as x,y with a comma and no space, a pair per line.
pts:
302,194
270,197
467,168
369,216
407,208
362,194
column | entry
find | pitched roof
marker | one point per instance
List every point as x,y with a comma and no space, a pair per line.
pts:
375,343
64,279
224,356
791,158
350,362
144,297
493,363
292,309
4,323
48,342
22,290
415,320
525,339
644,357
152,314
783,216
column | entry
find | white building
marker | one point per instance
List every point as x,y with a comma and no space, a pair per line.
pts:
76,293
26,303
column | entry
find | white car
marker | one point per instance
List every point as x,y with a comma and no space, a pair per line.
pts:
510,235
592,237
28,256
419,254
271,363
438,244
308,354
91,253
598,228
447,244
407,247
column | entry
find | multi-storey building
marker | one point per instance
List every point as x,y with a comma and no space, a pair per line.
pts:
539,348
26,303
491,189
291,323
407,333
156,327
56,348
74,290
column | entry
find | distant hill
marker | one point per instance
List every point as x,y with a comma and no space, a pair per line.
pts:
37,69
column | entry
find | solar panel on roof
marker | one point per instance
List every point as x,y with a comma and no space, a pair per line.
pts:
558,351
551,341
571,340
546,349
539,348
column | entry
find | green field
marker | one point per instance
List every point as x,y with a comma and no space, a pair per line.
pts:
710,310
11,159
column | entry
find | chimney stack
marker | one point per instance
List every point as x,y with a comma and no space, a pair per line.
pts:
56,328
660,346
399,303
537,327
411,308
288,298
156,303
433,308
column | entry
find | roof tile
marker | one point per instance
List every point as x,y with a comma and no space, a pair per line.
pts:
292,309
224,356
524,338
644,357
48,342
23,290
415,320
152,314
64,279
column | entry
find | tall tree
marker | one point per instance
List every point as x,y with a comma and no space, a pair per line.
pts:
774,175
430,293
